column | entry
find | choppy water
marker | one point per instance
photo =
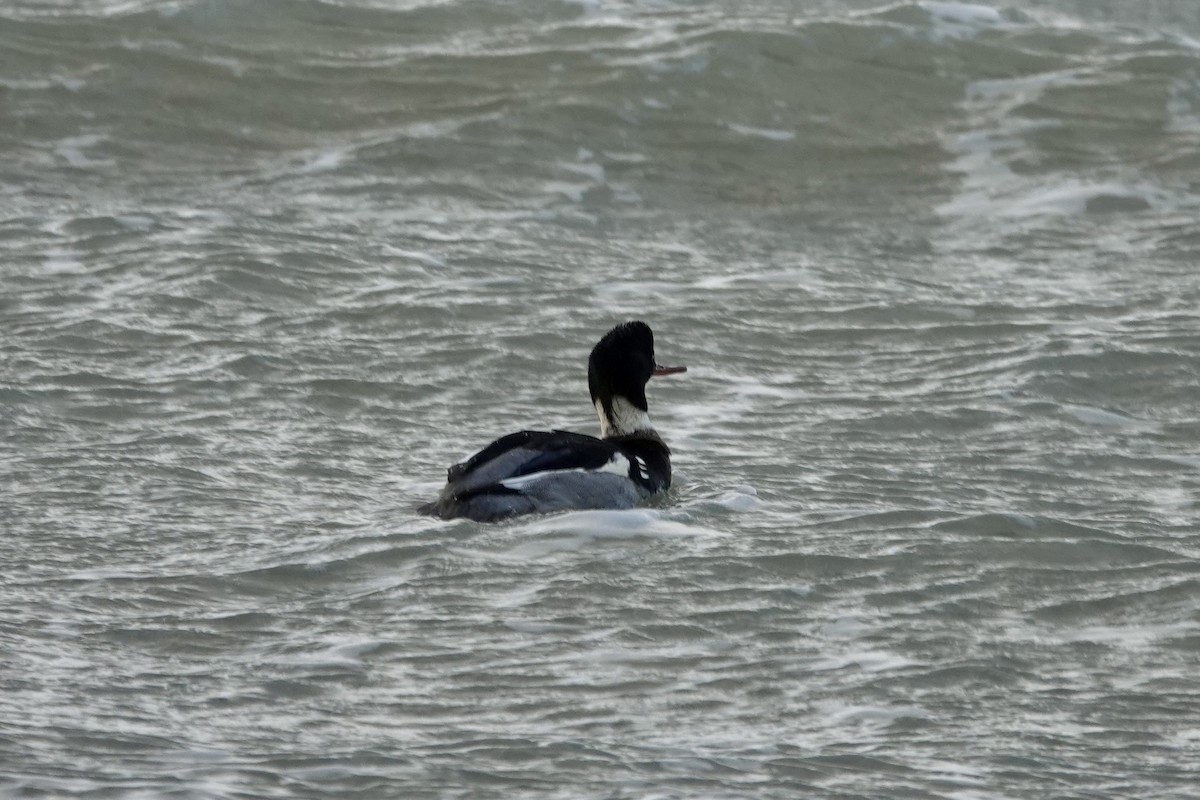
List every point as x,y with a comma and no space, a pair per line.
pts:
269,267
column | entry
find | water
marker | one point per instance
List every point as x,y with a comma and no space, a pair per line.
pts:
268,268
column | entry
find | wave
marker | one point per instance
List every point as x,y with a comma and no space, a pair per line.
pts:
982,107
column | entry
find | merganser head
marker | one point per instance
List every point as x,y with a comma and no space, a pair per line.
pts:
620,365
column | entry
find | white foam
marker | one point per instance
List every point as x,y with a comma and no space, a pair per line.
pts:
1183,107
1173,500
740,502
1100,418
421,257
533,626
577,531
623,193
71,84
135,222
343,653
62,262
586,169
572,191
864,660
235,67
71,150
614,524
633,293
969,14
773,134
586,7
1186,461
1077,197
960,20
955,772
991,191
1135,636
875,715
325,160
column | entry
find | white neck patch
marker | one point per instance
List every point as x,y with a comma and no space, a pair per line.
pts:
625,418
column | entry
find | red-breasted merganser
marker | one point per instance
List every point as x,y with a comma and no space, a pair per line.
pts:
542,471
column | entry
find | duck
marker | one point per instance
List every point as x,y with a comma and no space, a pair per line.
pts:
540,472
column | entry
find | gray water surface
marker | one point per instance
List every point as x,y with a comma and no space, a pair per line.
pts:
268,268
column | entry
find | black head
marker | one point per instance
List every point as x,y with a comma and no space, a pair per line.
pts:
622,362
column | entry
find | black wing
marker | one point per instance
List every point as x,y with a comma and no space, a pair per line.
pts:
524,453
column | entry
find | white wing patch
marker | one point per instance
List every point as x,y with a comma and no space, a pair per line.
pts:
522,481
621,465
617,465
641,465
